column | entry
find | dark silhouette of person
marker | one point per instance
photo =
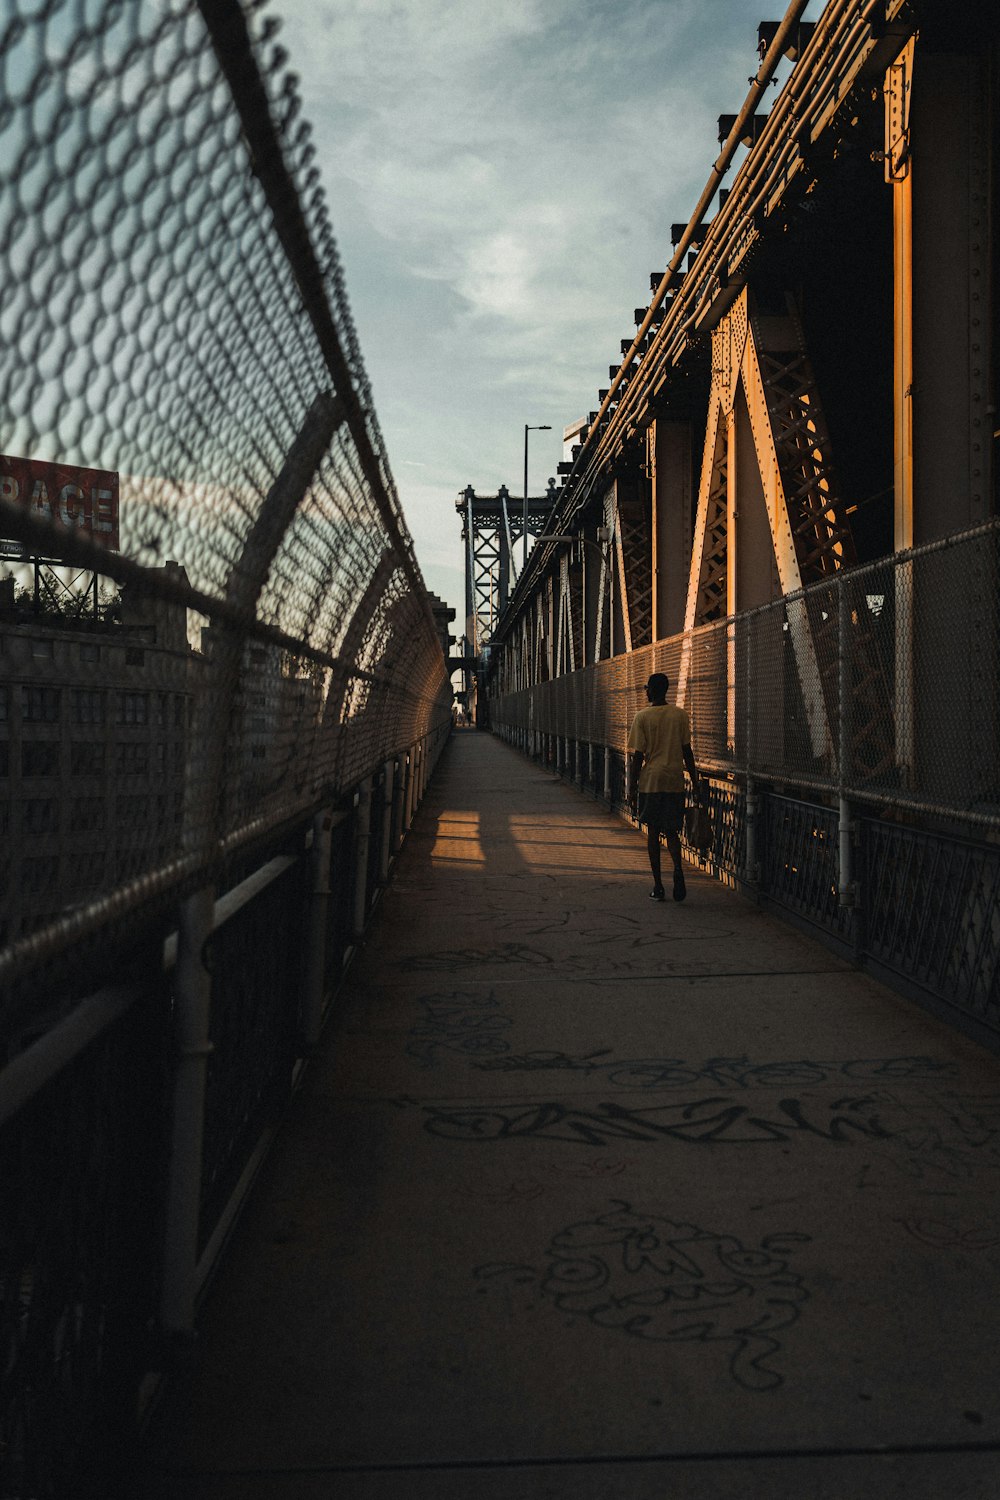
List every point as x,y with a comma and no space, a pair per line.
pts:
660,742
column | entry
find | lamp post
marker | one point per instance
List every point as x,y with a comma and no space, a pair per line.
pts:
545,427
603,537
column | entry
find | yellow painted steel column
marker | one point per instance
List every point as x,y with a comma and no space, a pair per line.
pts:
898,84
655,527
902,271
732,569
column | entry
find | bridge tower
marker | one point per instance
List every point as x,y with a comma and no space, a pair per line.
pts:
492,527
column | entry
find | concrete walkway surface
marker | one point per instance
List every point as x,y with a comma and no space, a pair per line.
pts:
591,1197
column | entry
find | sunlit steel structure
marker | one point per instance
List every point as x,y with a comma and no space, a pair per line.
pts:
794,465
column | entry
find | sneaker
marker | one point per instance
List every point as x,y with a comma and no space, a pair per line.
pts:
657,893
680,889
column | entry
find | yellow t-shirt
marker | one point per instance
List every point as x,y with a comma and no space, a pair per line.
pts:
660,731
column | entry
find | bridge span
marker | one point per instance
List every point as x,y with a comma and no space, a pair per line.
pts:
529,1125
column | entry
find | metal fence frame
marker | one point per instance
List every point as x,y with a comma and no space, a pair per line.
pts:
779,693
152,1029
902,881
129,1137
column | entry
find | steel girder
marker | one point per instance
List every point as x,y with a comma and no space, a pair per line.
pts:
634,550
567,617
777,373
764,358
492,528
707,597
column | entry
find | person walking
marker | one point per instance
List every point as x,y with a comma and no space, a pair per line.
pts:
660,743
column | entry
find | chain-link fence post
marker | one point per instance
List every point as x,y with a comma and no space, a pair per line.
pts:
845,832
193,999
385,854
751,862
316,929
409,768
362,840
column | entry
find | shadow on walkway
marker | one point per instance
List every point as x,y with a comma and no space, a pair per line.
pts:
588,1196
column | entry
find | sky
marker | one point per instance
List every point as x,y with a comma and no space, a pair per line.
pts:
502,178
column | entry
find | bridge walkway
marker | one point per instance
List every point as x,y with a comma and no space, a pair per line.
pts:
587,1196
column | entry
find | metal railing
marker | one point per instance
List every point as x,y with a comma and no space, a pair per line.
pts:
222,688
131,1130
260,636
879,685
852,736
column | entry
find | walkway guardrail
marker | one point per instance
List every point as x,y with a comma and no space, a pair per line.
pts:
880,685
132,1128
212,619
223,684
852,736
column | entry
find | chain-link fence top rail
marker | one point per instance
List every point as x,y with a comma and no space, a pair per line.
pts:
172,310
882,685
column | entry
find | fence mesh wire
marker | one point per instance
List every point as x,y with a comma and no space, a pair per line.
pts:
173,313
881,685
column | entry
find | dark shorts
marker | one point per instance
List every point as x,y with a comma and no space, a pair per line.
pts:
662,812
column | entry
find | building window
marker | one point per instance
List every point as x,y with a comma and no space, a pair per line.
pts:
40,815
39,705
133,708
41,647
3,702
258,752
258,656
40,758
87,705
131,760
4,817
162,706
135,656
39,874
86,758
4,758
132,812
161,758
88,814
90,651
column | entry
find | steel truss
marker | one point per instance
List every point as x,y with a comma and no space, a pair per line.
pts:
762,378
492,528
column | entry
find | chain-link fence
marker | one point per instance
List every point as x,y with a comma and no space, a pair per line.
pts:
211,617
851,736
880,686
222,686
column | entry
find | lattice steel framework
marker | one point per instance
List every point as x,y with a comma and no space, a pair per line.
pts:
493,537
188,330
633,535
712,525
740,680
173,314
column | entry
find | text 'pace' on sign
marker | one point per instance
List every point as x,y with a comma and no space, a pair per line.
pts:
82,499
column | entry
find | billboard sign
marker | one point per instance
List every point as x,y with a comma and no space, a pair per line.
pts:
84,500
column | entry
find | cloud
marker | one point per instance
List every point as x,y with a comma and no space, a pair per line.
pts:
502,179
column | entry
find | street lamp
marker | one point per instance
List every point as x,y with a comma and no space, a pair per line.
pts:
524,514
603,537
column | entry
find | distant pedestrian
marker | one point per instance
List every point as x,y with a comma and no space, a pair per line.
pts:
660,742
